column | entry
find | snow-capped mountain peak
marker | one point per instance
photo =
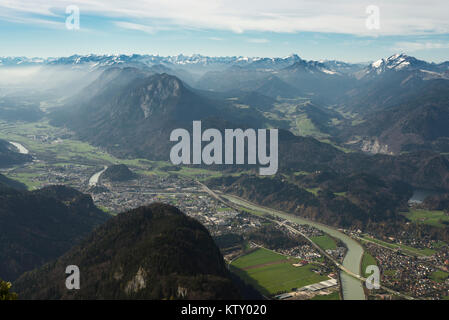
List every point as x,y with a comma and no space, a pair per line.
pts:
398,62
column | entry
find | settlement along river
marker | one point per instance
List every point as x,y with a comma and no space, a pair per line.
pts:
351,287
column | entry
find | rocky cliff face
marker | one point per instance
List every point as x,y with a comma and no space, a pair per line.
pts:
374,146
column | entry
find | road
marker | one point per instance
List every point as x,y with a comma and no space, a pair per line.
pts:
336,263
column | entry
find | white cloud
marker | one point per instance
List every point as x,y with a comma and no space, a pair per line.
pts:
256,40
399,17
26,7
32,20
136,26
420,45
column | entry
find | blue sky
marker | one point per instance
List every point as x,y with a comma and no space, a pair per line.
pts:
316,30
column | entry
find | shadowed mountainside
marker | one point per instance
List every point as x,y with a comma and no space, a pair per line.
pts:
152,252
38,226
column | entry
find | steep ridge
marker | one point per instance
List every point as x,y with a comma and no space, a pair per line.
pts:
152,252
134,114
38,226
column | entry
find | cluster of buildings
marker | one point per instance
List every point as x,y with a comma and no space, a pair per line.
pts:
309,231
408,274
441,259
117,197
305,252
405,237
338,253
307,292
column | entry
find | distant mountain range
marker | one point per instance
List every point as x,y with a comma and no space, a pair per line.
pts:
132,111
393,105
394,62
96,61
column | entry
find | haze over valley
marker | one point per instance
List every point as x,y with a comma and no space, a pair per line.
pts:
362,179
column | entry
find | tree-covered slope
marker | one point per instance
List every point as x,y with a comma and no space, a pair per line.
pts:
152,252
38,226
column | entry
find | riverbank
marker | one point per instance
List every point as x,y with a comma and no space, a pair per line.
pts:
352,288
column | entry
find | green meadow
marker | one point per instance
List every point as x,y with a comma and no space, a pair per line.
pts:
324,242
272,273
430,217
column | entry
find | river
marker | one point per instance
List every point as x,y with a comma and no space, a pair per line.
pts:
21,148
93,181
351,287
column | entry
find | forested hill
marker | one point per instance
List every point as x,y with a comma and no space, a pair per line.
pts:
152,252
118,172
38,226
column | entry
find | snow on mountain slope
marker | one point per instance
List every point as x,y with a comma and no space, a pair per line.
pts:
399,62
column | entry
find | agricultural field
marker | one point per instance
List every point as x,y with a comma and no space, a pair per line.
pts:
324,242
405,249
305,127
430,217
258,257
439,276
272,273
254,212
